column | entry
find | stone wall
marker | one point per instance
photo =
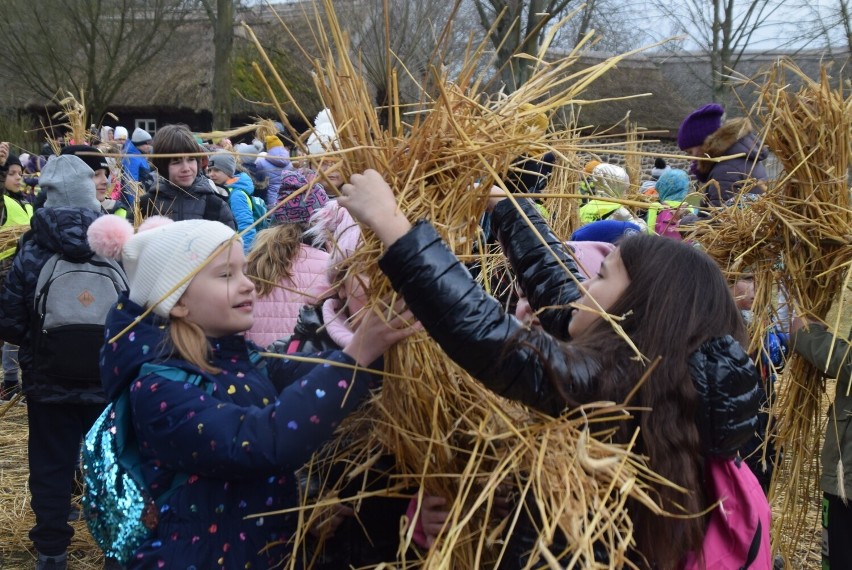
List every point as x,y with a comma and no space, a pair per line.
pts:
651,151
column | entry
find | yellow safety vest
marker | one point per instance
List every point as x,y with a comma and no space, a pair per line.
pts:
16,215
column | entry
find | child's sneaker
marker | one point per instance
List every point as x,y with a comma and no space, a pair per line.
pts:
58,562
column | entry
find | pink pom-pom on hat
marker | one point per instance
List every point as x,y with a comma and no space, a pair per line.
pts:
108,234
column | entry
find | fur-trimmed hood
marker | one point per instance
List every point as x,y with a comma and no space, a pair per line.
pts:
734,137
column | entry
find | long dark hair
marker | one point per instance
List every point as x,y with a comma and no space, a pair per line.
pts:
676,300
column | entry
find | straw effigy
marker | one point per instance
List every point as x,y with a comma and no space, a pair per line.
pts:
450,436
796,238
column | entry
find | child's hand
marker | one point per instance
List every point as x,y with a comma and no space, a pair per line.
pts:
371,201
4,153
374,336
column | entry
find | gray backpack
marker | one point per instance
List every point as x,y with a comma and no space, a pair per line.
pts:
72,299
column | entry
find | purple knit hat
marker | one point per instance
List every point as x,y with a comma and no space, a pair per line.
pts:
299,209
699,125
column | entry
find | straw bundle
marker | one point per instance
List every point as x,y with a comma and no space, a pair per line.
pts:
803,222
449,436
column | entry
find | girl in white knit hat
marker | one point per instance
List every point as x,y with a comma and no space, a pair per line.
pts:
239,436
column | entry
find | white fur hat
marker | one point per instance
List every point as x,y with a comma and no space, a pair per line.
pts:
160,257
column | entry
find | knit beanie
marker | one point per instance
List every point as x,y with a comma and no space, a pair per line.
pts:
12,160
246,152
608,231
140,136
224,162
68,182
299,209
160,257
272,141
590,166
673,185
120,133
699,125
95,162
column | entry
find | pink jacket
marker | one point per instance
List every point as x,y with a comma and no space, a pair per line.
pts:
276,314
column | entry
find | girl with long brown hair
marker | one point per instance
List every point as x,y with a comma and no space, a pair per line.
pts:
699,401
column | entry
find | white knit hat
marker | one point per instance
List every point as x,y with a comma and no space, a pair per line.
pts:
120,133
160,256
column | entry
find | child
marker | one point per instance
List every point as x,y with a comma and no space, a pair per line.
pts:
94,159
222,170
269,167
694,339
16,211
241,434
663,217
610,180
287,275
832,356
288,209
770,362
64,394
179,191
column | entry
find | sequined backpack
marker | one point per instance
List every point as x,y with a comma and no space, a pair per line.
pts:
119,510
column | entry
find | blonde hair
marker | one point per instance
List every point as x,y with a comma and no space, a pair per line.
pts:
271,257
191,344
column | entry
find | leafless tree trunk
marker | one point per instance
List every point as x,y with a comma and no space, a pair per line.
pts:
519,28
222,19
721,29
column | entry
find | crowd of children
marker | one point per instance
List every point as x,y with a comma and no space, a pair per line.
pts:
204,287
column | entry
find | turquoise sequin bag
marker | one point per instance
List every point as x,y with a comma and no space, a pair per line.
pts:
119,511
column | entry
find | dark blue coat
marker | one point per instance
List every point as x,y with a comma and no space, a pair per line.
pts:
239,445
54,230
198,202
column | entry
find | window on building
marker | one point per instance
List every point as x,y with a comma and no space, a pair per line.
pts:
149,125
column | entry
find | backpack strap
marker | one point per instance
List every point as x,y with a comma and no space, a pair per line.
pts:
754,548
174,374
44,276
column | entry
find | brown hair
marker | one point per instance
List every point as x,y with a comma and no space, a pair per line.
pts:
677,299
173,139
272,255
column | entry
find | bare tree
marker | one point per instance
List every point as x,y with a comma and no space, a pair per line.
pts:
84,46
402,41
832,24
721,30
519,27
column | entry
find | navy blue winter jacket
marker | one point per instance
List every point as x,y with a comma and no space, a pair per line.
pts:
240,444
54,230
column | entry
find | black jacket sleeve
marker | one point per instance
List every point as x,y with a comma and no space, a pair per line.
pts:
539,268
473,330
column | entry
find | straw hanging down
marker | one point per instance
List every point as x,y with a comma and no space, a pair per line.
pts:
448,434
796,236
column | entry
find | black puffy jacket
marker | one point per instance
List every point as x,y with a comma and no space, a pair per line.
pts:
473,330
